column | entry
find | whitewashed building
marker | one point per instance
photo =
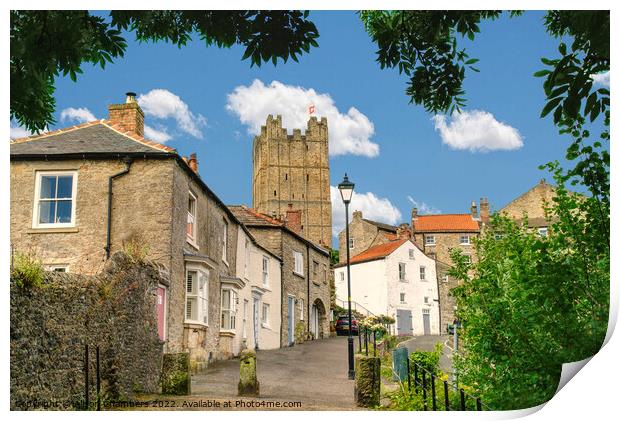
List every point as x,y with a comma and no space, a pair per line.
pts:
396,279
251,301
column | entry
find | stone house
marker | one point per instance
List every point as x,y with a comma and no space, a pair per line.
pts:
363,234
396,279
532,203
305,273
80,193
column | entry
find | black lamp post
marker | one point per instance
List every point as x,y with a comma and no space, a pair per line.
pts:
346,191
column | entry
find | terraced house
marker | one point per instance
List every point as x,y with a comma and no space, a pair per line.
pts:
81,193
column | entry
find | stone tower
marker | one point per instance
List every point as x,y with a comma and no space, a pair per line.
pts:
291,172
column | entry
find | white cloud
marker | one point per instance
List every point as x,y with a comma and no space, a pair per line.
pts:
160,136
18,132
477,131
423,208
349,133
78,115
161,103
601,78
375,208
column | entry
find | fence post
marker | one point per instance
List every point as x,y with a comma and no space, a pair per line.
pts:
408,375
86,376
433,392
374,343
415,377
424,389
462,400
445,394
359,337
98,382
478,404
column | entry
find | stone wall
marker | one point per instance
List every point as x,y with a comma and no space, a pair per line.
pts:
531,202
51,324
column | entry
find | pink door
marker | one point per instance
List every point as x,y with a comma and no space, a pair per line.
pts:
161,312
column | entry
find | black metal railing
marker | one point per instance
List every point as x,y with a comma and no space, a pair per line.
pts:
366,336
451,398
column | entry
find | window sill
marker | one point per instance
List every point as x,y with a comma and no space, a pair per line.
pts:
192,243
316,284
228,332
265,325
195,325
430,245
226,262
50,230
301,275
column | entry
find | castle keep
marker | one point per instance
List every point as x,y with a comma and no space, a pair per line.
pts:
291,177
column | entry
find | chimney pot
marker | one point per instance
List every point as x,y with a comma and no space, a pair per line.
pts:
474,210
131,97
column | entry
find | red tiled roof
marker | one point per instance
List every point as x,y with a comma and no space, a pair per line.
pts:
445,223
378,252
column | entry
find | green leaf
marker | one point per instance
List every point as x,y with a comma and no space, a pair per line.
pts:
550,106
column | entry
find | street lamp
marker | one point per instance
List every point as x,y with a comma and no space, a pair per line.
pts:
346,191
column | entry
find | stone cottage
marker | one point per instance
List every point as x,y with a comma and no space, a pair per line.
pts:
80,193
305,273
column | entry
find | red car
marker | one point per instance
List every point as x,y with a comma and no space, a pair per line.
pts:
342,325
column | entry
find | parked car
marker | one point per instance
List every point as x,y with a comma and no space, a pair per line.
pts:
342,325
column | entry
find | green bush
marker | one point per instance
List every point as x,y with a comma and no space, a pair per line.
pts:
427,360
27,271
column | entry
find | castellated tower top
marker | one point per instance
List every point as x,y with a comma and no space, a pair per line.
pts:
316,130
291,173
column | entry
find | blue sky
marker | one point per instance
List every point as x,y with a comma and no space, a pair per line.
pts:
412,163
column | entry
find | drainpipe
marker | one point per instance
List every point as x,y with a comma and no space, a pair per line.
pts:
308,293
127,160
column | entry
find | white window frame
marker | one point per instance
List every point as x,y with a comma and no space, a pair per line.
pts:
422,273
299,263
465,243
264,315
225,242
402,272
56,267
351,242
191,218
266,263
228,313
199,295
445,279
427,300
301,308
543,232
403,298
429,240
411,254
37,199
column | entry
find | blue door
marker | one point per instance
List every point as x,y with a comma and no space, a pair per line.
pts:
291,321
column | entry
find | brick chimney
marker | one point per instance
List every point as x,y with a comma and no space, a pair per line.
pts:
128,115
474,210
357,215
193,162
414,213
293,219
484,209
403,232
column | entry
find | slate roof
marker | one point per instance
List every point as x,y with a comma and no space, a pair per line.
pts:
381,225
100,136
252,218
461,222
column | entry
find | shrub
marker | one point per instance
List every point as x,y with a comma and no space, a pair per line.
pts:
427,360
27,271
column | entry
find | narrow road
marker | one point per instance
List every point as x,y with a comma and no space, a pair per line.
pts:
427,343
313,373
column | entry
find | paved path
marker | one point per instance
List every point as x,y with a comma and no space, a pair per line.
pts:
427,343
314,373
